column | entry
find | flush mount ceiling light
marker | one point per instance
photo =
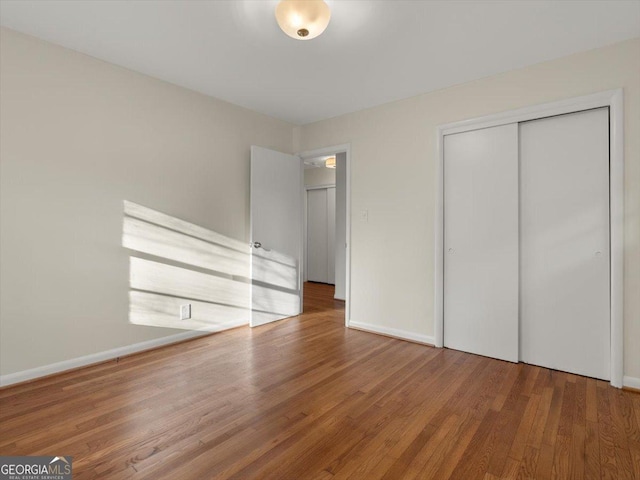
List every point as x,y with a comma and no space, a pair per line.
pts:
330,162
303,19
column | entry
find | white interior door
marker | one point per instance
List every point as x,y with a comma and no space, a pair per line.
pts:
564,216
331,235
317,233
321,235
276,235
481,242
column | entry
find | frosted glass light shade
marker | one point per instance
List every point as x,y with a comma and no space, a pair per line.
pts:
303,19
330,162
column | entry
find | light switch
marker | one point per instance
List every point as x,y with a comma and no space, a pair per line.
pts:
185,311
364,215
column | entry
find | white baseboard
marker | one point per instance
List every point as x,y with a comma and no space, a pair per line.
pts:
33,373
631,382
392,332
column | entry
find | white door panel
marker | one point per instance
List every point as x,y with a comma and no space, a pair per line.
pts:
331,235
564,218
321,235
317,234
276,226
481,242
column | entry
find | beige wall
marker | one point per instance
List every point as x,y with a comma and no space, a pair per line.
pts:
314,177
78,136
393,151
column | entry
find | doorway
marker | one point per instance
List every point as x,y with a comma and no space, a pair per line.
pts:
278,231
326,228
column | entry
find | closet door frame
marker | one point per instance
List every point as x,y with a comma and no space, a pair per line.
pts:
306,223
613,99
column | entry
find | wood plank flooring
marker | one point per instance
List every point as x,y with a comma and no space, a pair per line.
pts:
306,398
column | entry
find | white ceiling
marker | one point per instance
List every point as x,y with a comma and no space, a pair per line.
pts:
373,51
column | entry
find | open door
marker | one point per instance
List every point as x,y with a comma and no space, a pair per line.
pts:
276,235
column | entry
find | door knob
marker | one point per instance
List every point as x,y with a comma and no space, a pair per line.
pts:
259,245
598,253
451,250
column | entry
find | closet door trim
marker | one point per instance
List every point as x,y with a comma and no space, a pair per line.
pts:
612,99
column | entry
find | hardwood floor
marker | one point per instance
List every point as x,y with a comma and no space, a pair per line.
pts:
306,398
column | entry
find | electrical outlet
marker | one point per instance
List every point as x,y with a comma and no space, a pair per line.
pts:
185,311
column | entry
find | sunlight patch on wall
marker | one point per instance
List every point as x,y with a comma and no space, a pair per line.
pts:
178,263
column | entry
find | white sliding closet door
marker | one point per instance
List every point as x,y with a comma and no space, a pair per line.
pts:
331,235
481,242
317,232
321,235
564,171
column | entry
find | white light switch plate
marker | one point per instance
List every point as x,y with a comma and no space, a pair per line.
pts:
185,311
364,215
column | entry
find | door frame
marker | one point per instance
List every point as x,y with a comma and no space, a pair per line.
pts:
320,152
306,224
610,98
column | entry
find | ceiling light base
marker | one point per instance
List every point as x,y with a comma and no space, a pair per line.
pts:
303,19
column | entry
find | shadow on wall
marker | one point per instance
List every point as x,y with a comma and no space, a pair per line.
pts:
178,263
